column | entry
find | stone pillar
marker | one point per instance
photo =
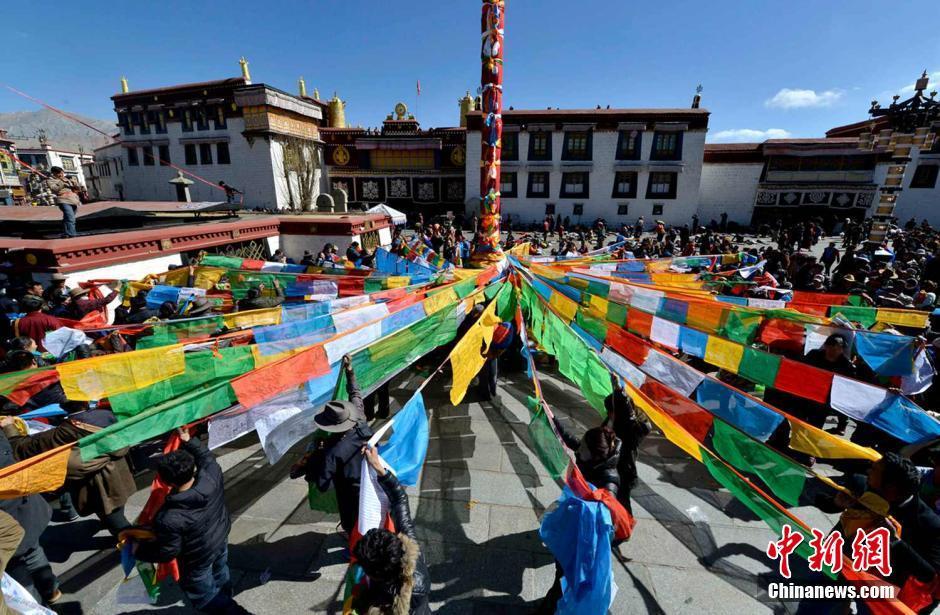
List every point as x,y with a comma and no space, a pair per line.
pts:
340,200
324,204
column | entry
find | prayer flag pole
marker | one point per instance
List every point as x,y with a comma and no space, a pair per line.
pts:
491,92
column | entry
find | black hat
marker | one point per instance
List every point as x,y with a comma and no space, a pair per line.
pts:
31,303
338,416
200,306
836,340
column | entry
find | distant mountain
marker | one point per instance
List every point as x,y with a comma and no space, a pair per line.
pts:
61,132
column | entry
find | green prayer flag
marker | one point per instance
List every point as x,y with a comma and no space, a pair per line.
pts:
219,260
158,420
203,367
617,313
759,366
594,327
543,439
739,325
322,501
465,287
598,289
865,316
784,477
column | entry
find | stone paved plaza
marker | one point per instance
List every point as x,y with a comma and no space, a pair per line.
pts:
478,506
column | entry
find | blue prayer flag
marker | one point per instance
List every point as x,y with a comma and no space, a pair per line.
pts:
406,449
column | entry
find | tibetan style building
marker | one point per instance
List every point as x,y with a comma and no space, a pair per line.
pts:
410,169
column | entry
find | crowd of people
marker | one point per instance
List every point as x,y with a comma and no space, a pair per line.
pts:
192,525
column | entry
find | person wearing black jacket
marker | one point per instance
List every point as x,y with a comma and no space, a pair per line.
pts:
399,581
631,428
598,454
336,460
192,527
29,565
254,301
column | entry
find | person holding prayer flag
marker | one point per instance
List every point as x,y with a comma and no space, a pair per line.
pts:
398,581
192,527
335,461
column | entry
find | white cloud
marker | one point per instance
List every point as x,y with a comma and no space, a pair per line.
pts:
748,135
788,98
933,85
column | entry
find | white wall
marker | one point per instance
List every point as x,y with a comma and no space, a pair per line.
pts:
919,203
600,203
250,171
728,188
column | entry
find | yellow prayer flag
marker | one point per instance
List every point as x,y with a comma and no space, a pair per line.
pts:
466,359
133,288
520,250
253,318
398,281
439,301
723,353
824,445
599,307
903,318
39,474
564,306
104,376
462,274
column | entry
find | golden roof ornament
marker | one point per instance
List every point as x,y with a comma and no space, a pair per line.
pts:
124,88
245,74
302,87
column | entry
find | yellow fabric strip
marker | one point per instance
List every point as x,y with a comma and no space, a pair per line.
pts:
903,318
439,301
598,307
565,306
818,443
723,353
398,281
466,359
253,318
101,377
521,250
39,474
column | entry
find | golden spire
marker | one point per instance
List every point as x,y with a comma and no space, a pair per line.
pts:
245,74
124,88
302,86
316,93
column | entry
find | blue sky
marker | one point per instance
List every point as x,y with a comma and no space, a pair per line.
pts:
793,67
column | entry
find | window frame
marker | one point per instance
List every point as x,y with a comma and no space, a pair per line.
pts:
658,209
186,120
530,190
191,160
148,156
676,154
219,120
586,154
506,153
674,185
584,194
514,192
205,154
637,151
549,209
533,136
616,193
577,209
928,181
132,159
219,148
163,152
623,209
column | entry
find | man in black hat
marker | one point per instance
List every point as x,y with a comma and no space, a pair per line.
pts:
337,459
200,307
831,356
83,305
254,299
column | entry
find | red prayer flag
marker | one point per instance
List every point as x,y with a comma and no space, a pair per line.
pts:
32,385
803,380
783,335
629,346
639,322
261,384
687,413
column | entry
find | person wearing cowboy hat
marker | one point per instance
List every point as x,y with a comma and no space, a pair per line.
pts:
82,304
200,307
336,460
